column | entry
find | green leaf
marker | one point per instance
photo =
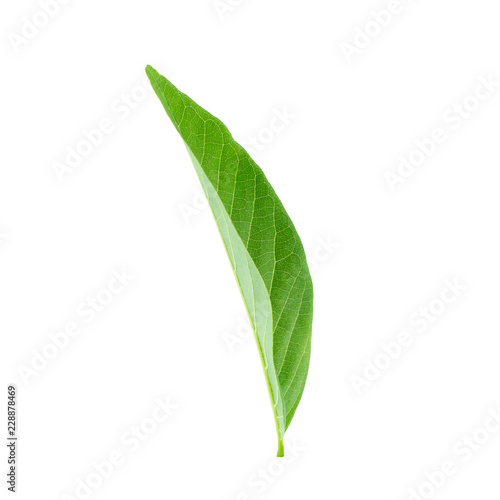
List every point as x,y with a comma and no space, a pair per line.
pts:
263,246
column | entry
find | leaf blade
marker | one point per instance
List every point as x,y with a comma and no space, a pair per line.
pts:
263,247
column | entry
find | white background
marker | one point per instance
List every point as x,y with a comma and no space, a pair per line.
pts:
168,334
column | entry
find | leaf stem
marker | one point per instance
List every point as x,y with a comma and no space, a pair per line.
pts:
281,448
